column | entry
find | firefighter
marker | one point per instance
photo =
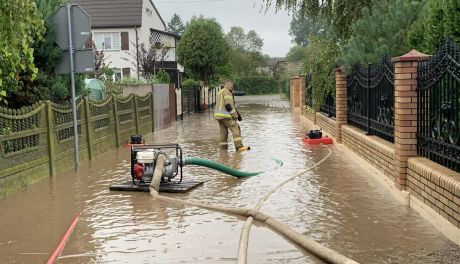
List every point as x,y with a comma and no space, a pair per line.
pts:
227,116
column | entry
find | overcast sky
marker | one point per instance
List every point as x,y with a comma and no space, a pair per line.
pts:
272,27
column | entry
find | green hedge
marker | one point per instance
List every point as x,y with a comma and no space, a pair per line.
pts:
189,83
257,85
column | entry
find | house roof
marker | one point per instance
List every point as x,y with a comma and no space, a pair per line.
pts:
114,13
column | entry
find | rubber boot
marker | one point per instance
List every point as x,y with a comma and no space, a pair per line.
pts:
243,148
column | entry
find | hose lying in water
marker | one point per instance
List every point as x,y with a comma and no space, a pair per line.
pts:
315,248
217,166
244,238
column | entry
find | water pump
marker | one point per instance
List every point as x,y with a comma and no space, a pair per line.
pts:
143,160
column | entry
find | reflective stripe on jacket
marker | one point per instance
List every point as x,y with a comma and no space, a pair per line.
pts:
224,96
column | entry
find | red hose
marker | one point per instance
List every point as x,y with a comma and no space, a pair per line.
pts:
52,259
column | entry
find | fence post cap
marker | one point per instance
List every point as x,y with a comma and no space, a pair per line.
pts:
412,55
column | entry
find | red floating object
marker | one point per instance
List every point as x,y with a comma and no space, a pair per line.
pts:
317,141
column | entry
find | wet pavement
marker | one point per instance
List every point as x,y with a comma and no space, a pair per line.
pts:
336,204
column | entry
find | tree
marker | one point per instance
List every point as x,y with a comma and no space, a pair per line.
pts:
241,41
21,26
245,52
438,21
236,38
149,59
203,48
175,25
303,26
339,14
253,42
297,54
46,54
99,61
322,54
381,29
453,20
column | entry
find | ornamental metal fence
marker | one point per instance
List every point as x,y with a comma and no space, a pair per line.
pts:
438,107
328,105
371,98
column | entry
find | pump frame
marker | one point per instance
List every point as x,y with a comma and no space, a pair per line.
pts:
158,147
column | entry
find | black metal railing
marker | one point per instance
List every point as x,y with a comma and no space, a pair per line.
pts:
308,90
438,107
190,98
371,98
328,105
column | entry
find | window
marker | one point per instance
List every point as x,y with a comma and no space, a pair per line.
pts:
117,74
107,41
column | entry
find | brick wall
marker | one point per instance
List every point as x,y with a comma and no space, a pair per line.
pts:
310,113
378,152
436,186
327,124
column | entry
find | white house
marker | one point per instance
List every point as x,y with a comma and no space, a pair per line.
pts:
120,26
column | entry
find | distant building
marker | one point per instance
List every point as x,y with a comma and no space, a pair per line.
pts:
119,26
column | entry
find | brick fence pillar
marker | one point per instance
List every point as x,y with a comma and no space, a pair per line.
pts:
405,130
340,103
302,88
294,86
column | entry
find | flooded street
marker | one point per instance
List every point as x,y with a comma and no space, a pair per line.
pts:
336,204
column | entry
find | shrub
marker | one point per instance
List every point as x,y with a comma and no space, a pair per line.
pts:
257,85
189,83
162,76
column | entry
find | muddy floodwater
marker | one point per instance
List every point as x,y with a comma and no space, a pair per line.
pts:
336,203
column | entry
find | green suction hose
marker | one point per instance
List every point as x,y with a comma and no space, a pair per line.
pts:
217,166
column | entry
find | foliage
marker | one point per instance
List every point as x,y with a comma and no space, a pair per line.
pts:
245,63
238,40
339,14
226,71
453,20
256,85
2,98
297,54
46,53
323,54
21,26
135,81
245,52
99,62
175,25
111,87
148,58
203,48
162,77
303,26
438,21
189,83
381,29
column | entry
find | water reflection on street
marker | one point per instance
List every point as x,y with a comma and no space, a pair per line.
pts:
336,204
